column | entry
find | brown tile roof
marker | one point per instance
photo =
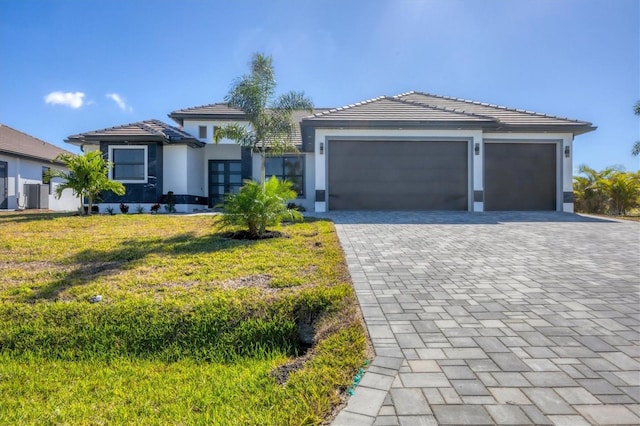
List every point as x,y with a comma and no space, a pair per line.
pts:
221,111
218,110
421,108
149,130
15,142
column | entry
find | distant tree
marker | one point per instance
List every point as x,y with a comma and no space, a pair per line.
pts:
611,191
635,151
270,117
87,177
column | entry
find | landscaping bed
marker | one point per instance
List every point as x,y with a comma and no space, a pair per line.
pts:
190,326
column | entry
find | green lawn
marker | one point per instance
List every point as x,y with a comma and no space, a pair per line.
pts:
193,327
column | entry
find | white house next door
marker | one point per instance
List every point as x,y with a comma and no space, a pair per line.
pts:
4,189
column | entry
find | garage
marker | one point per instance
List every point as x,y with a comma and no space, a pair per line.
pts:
520,176
398,175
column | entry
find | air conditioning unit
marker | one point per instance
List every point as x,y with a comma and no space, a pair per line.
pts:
37,196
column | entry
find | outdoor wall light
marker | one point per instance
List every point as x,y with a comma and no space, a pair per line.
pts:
321,148
567,152
476,148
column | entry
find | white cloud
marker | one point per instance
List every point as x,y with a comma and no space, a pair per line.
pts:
119,101
71,99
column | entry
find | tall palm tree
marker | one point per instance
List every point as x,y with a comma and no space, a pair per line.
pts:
271,121
635,151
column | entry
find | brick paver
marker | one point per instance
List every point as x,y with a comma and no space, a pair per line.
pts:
495,318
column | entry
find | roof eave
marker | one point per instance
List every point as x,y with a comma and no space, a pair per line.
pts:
180,117
31,157
395,124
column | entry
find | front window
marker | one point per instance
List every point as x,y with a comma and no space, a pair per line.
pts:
289,168
129,164
202,132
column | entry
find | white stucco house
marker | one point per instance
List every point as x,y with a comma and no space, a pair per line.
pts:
412,151
24,160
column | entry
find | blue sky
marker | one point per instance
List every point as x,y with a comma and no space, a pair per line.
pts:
72,66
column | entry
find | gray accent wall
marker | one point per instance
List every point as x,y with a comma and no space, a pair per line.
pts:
150,192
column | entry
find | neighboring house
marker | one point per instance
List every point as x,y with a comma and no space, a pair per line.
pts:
413,151
23,163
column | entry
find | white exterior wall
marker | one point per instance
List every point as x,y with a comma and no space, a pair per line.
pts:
564,167
23,171
325,135
174,169
192,127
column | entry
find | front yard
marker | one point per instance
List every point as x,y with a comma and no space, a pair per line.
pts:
192,327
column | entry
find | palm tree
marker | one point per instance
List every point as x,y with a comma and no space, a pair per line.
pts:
623,190
87,177
635,151
589,192
271,117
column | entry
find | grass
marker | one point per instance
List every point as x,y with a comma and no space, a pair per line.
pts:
193,327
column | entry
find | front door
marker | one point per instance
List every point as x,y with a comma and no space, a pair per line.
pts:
4,189
225,177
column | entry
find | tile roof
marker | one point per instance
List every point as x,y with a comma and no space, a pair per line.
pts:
217,110
15,142
422,108
148,130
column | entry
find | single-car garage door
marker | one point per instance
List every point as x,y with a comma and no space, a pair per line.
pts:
397,175
520,176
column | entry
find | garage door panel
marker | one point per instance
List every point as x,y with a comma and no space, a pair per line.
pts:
398,175
520,176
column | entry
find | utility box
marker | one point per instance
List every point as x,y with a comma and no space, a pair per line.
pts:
37,196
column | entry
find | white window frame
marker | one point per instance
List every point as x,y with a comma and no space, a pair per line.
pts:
146,162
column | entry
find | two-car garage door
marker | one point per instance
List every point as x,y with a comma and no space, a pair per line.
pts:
398,175
434,175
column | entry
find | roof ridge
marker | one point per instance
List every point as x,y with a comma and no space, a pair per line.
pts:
342,108
145,126
468,101
205,106
439,108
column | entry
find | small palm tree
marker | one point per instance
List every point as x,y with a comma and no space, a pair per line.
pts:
87,177
623,190
270,117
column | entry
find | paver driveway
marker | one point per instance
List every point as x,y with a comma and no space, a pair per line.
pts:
495,318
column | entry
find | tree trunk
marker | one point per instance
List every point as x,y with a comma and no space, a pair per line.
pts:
90,202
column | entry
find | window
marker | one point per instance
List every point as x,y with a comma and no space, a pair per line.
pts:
46,179
289,168
129,164
202,132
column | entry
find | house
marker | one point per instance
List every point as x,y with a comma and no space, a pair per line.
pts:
413,151
24,160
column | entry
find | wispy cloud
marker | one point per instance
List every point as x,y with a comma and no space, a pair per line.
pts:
119,101
71,99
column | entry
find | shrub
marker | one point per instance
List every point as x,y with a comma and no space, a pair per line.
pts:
124,208
110,210
258,205
154,208
171,202
139,209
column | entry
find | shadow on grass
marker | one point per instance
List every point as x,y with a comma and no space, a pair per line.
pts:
94,263
21,216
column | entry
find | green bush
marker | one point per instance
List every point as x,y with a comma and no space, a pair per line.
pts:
258,205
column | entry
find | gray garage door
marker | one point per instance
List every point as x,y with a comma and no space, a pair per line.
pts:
519,176
397,175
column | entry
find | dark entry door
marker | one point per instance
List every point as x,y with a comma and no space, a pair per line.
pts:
4,189
225,177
